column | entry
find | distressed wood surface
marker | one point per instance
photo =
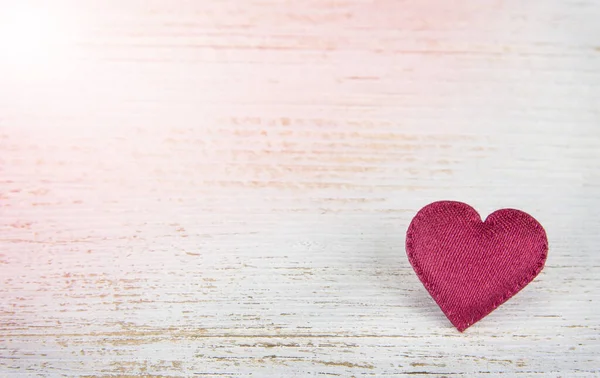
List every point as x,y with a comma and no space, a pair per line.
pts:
222,188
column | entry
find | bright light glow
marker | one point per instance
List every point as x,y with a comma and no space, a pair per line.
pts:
31,34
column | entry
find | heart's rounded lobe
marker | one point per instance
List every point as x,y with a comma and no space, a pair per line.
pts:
471,267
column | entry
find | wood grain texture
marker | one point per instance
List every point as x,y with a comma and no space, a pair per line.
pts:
222,188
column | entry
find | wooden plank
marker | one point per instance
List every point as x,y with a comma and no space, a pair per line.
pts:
222,188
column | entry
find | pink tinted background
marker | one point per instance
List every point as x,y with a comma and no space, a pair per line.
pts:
189,187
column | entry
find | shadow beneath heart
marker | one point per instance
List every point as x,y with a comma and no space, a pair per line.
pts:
402,295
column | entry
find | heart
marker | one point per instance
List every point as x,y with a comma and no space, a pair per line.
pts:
471,267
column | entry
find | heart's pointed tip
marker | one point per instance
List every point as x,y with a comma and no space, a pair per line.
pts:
458,323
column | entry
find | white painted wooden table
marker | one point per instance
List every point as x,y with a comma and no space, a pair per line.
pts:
222,188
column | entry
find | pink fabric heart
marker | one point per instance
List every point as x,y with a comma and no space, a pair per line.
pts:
471,267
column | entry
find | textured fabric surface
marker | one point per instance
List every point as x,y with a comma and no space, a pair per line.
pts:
471,267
